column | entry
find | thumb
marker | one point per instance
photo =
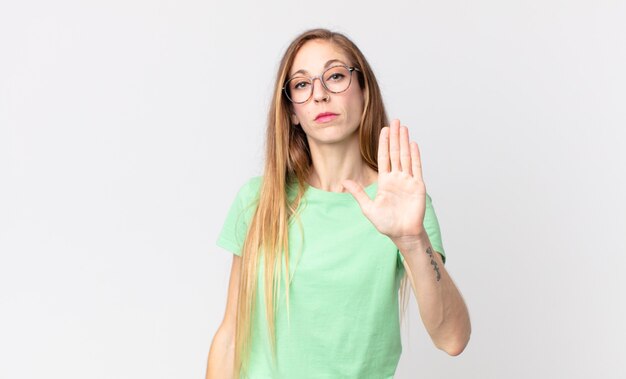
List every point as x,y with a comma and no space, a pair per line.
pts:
358,193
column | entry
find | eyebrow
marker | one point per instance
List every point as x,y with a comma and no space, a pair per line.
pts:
328,63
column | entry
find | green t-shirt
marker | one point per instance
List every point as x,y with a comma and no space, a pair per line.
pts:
343,301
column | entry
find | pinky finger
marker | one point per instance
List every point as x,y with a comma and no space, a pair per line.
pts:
416,161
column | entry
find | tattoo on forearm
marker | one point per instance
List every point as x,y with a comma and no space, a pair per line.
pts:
429,251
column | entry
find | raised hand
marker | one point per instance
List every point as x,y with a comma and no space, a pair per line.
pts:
398,208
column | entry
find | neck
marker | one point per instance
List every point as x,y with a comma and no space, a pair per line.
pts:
333,163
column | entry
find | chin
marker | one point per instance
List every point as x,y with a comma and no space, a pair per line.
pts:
331,135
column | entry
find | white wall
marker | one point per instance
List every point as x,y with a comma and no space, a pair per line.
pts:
123,138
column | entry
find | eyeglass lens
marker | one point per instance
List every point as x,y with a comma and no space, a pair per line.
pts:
336,79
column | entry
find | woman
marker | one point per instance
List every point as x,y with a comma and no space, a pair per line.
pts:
342,211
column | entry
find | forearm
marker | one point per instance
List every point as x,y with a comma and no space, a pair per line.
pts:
441,305
221,357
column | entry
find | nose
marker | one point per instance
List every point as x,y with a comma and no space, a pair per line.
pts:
319,91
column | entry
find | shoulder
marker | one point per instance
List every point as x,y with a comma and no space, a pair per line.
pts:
253,184
250,189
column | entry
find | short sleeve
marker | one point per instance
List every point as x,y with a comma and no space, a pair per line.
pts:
235,227
431,225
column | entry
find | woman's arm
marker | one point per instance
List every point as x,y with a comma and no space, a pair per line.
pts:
441,306
221,355
398,211
222,352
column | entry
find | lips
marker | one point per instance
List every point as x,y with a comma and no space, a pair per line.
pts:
324,115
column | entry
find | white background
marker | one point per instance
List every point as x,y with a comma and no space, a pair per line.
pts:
126,128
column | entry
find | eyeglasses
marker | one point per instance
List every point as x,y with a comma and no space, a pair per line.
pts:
335,79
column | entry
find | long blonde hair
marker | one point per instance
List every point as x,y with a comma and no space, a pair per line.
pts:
288,163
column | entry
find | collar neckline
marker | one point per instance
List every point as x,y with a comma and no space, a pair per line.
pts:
316,193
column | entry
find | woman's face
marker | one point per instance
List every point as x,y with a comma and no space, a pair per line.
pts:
313,57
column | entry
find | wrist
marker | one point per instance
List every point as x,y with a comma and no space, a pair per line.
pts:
410,243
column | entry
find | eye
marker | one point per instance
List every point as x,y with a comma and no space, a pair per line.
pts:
300,85
336,76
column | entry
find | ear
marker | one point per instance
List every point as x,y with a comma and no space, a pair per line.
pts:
294,119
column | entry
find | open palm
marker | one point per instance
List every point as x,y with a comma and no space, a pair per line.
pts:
398,208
